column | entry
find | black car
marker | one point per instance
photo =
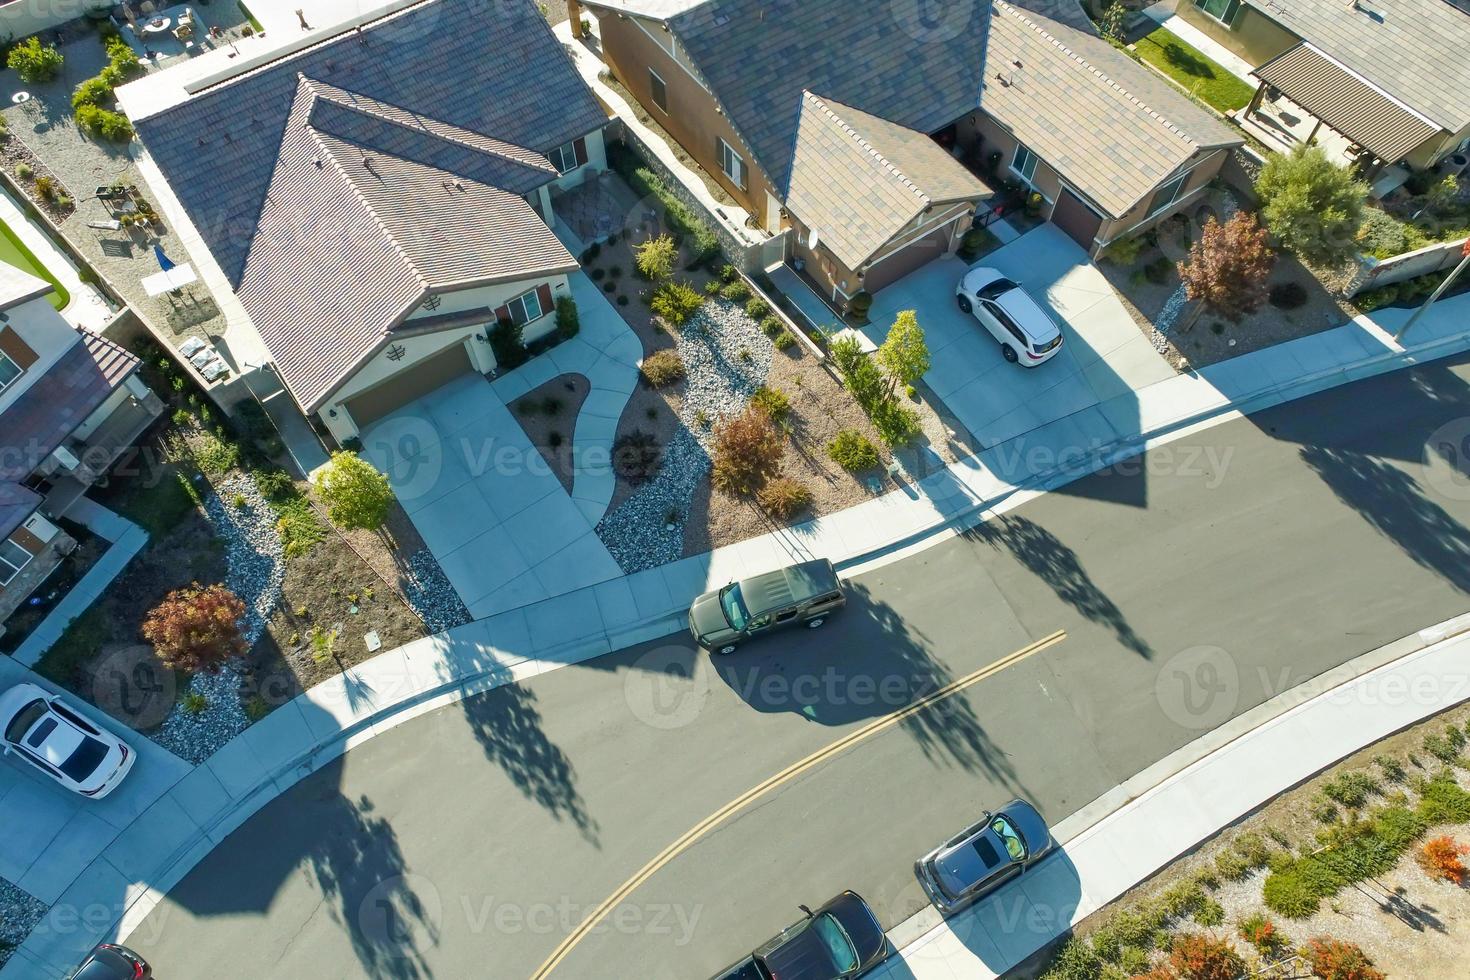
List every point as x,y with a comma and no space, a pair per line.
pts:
110,962
840,939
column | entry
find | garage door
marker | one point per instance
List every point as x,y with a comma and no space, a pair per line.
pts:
1076,219
430,374
900,264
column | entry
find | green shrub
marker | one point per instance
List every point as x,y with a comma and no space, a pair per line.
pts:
1132,961
1261,932
215,456
784,340
1075,960
34,61
896,424
298,525
94,91
1180,900
1446,747
755,308
276,486
104,123
1323,810
772,325
567,320
662,368
1252,848
735,292
24,171
1124,251
1232,866
713,287
852,451
1209,913
1441,800
636,457
728,273
194,703
1351,789
747,452
655,258
1383,236
784,497
508,346
679,216
774,401
676,301
1393,769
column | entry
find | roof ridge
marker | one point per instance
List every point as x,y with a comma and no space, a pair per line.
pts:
867,144
361,197
423,130
1101,75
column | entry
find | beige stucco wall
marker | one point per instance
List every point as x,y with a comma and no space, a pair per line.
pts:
42,329
693,117
1254,37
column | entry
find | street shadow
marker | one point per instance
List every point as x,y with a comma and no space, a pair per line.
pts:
507,723
867,663
1394,503
1045,556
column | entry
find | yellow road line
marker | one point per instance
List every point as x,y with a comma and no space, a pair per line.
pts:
784,776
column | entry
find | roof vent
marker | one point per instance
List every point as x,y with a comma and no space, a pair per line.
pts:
317,161
1004,81
1017,63
368,164
458,184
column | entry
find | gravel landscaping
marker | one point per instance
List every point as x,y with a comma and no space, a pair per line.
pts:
428,590
19,914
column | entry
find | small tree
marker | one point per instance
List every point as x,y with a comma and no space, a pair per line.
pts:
196,628
904,355
1228,266
1312,205
34,61
356,494
748,451
655,258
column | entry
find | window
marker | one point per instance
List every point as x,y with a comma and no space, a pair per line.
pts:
658,91
12,559
9,371
1024,163
1224,11
732,163
1167,194
525,308
568,156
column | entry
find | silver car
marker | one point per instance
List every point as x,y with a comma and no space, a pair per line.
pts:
975,862
1026,333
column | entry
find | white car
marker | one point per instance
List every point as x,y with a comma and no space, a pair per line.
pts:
53,738
1026,333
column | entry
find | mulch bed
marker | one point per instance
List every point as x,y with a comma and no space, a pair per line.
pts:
548,416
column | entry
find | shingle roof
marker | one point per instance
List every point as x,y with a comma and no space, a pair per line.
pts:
1415,50
325,254
859,179
49,409
1347,103
1112,129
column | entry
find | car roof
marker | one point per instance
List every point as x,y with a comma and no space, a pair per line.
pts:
796,583
971,860
1034,321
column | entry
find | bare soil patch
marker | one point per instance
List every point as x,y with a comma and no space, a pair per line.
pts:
548,416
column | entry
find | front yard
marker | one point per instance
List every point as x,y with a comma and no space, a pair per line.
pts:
1360,867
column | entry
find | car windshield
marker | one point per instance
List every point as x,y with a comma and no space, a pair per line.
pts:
23,720
84,761
734,606
997,289
834,937
1015,846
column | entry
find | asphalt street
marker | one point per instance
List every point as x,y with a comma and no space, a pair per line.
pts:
1192,584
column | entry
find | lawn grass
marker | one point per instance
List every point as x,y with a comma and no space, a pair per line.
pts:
15,252
1197,73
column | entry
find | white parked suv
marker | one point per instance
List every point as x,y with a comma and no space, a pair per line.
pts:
1026,333
53,738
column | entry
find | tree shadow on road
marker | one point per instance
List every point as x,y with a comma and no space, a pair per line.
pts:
1045,556
507,723
848,672
1394,503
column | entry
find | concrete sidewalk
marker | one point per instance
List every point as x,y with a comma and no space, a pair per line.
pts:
170,837
1234,771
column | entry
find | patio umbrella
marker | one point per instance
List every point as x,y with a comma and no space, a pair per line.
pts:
164,262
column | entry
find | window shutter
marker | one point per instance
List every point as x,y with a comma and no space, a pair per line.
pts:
502,313
580,146
17,349
543,293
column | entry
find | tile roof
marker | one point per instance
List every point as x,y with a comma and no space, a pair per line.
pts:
1415,50
453,107
50,408
1347,103
1111,128
859,179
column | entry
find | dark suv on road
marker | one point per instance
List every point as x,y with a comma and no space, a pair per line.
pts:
804,594
839,940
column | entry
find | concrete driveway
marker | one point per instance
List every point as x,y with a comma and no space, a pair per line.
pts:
1104,355
494,515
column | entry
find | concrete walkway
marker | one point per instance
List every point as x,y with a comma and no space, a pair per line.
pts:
126,538
1234,770
169,838
795,288
88,308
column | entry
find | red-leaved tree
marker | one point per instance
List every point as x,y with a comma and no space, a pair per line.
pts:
196,628
1227,268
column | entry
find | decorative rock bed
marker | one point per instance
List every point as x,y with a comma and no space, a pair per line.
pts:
726,360
429,593
20,912
256,566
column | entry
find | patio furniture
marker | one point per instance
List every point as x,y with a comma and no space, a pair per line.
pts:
215,369
170,280
111,224
158,25
192,346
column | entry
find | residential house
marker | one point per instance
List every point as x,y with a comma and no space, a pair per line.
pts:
851,130
379,200
71,403
1392,76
